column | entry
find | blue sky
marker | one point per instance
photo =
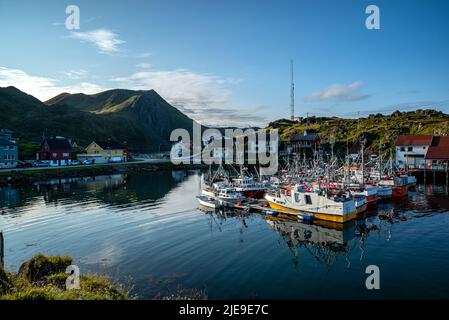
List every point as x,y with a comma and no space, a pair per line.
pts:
227,62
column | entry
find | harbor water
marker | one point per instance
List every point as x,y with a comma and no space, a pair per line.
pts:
145,230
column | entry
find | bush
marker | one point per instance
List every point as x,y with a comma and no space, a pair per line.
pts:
38,268
43,278
4,281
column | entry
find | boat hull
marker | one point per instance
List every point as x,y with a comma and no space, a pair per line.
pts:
385,192
253,194
400,192
362,208
208,203
320,216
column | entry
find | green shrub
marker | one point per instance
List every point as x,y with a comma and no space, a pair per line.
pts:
43,278
38,268
4,281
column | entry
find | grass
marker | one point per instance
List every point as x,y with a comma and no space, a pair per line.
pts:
375,129
43,278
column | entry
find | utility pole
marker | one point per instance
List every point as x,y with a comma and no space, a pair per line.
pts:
292,92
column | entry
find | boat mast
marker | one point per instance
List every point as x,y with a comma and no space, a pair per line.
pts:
363,164
380,162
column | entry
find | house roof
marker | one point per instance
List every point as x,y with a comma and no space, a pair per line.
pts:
439,148
414,140
58,143
304,137
109,145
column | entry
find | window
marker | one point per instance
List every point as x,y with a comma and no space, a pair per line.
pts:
297,198
308,199
410,149
402,149
54,155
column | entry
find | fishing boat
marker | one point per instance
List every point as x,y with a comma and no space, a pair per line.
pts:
249,188
384,192
400,188
411,181
300,199
370,193
229,195
206,201
360,203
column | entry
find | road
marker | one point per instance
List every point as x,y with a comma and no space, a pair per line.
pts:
139,161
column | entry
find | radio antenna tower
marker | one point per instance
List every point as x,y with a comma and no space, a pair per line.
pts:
292,92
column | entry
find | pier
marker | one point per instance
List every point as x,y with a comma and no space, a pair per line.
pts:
435,174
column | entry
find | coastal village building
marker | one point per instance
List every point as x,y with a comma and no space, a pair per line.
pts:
104,152
9,150
417,151
412,149
56,151
438,152
303,142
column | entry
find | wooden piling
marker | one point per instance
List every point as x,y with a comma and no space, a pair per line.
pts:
2,250
425,171
447,172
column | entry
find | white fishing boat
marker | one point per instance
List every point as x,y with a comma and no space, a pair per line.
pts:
230,195
211,190
207,202
208,191
324,207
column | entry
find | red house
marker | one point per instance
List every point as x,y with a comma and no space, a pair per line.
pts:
56,151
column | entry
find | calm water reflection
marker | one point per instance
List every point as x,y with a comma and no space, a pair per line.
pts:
148,227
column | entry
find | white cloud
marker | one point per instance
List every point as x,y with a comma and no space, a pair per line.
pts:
205,98
75,74
142,55
340,92
42,88
144,65
105,40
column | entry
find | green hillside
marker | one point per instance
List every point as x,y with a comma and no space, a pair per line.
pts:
374,129
141,119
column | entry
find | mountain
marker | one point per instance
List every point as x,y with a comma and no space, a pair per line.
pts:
142,119
374,129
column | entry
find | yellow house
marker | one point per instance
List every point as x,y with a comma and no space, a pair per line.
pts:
105,151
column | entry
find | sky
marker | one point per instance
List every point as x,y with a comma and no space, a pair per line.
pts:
228,62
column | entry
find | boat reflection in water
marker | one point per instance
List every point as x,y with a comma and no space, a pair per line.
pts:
323,240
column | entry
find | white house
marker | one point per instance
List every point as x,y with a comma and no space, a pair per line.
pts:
412,149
